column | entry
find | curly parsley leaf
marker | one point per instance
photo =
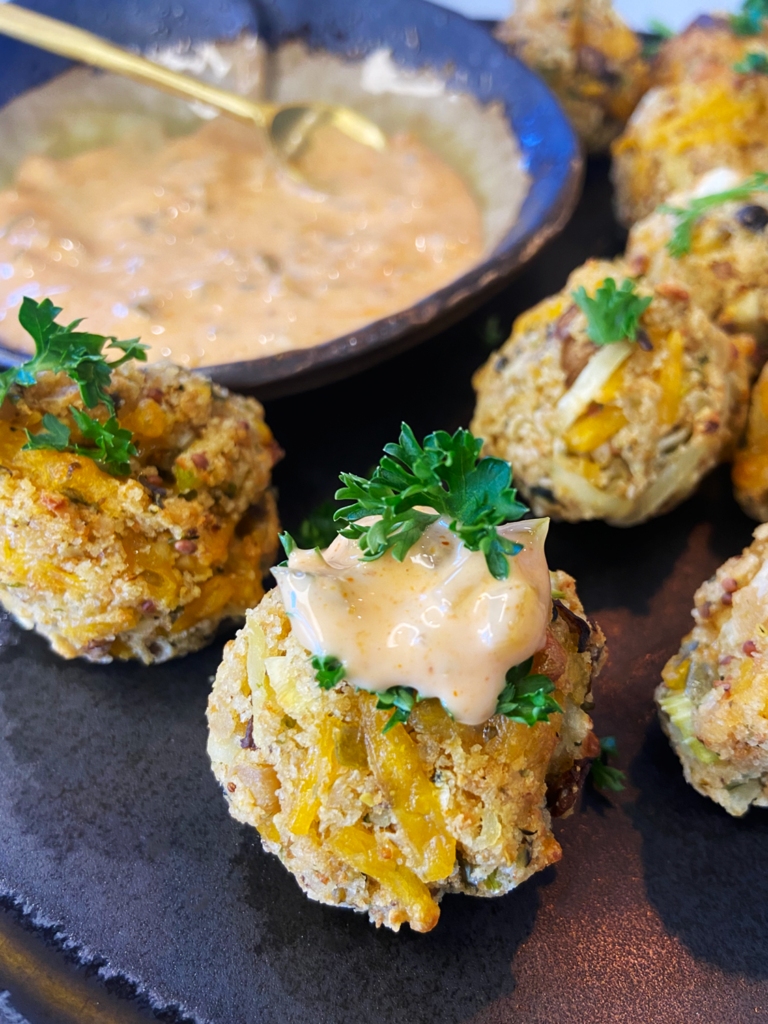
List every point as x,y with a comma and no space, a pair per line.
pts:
318,530
752,64
111,446
54,435
329,671
63,349
402,699
749,20
447,475
614,313
686,217
601,774
526,696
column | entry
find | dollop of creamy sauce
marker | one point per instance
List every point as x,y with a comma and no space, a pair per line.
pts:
437,621
208,250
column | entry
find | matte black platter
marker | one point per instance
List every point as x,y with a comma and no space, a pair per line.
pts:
113,830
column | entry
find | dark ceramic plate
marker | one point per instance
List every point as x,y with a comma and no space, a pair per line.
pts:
419,35
114,833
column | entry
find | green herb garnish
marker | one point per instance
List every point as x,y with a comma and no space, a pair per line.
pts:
752,64
614,313
446,474
658,28
402,699
329,671
601,774
112,446
652,40
526,697
686,216
318,529
749,20
62,349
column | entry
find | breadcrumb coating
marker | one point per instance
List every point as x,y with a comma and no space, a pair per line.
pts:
144,566
750,467
682,130
587,55
644,436
386,824
713,702
725,271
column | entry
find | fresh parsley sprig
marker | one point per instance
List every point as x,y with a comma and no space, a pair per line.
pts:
614,313
403,699
752,64
601,774
63,349
680,241
526,696
329,671
112,447
318,529
446,474
749,20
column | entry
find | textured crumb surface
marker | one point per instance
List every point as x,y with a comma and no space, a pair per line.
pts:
149,564
388,823
750,466
648,433
682,130
713,702
725,271
587,55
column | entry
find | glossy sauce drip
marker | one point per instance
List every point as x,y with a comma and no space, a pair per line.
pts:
438,621
204,247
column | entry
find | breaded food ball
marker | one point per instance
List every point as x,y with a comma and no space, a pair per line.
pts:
145,565
387,822
708,46
714,699
589,58
680,131
725,267
750,467
621,431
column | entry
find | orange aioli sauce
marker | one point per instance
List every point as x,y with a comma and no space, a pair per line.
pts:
204,246
437,621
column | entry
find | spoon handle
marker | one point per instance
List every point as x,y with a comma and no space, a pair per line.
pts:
68,41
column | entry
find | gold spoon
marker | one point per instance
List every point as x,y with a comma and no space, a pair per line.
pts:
288,127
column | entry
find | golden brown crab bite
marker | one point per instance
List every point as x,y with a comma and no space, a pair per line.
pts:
144,565
385,813
722,264
681,130
589,58
713,701
621,431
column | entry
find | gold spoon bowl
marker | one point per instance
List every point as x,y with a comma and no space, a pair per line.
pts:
288,127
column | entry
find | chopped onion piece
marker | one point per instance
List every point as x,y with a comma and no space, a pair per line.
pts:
591,381
678,477
566,483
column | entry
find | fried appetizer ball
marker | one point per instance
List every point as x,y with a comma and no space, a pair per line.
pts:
713,702
144,565
750,467
680,131
708,46
722,263
387,822
621,431
587,55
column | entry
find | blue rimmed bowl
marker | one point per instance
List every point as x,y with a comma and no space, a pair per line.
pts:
478,106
